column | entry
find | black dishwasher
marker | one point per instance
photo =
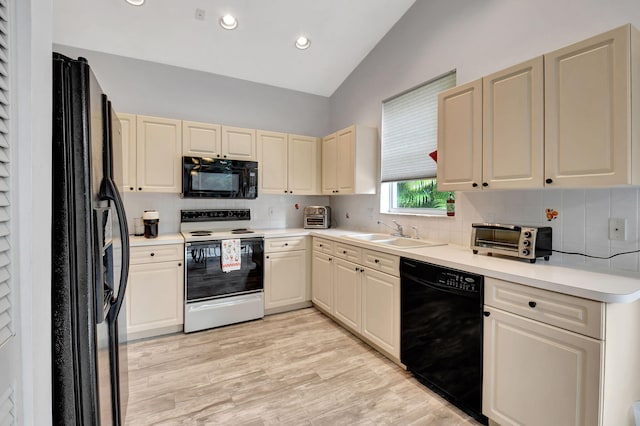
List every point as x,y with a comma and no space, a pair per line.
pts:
441,331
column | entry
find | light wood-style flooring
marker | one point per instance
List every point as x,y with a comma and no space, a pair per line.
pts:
296,368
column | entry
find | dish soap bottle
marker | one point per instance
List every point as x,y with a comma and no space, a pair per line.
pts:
451,205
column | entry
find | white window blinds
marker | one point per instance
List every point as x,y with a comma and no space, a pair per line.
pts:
6,330
410,131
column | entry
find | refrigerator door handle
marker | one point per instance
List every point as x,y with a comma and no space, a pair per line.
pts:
110,192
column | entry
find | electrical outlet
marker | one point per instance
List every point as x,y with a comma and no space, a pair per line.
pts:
200,14
617,229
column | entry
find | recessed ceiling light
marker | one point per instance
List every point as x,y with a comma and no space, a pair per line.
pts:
135,2
228,22
303,43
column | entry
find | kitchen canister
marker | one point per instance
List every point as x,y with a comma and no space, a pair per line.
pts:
151,219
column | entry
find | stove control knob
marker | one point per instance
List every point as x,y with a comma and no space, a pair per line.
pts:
525,252
526,243
527,234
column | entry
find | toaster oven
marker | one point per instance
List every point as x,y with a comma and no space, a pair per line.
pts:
317,217
525,242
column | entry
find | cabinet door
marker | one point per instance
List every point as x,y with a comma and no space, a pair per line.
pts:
381,310
303,165
322,281
159,149
129,157
513,127
346,161
238,143
155,296
348,300
272,156
285,278
460,138
201,139
329,164
536,374
587,112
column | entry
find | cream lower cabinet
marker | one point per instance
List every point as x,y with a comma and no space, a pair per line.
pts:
286,275
365,286
155,291
536,374
555,359
322,281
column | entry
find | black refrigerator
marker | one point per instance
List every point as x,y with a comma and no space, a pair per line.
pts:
90,252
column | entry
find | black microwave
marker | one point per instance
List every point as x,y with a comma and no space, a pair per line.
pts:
214,178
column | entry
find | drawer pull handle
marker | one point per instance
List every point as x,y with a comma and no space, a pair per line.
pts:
486,313
376,260
532,304
152,254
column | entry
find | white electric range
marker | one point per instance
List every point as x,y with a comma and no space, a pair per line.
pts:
214,297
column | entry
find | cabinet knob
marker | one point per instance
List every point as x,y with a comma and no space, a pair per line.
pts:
218,155
320,245
131,188
285,191
344,252
267,257
357,269
224,156
337,191
330,259
549,180
485,184
486,313
139,189
179,263
376,260
532,304
475,185
286,244
361,269
152,254
290,192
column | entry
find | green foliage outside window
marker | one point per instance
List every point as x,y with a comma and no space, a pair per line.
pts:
420,194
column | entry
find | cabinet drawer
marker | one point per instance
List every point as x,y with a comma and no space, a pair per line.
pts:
285,244
348,252
159,253
325,246
382,262
569,312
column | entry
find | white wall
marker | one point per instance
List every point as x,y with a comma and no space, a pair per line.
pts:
477,38
31,196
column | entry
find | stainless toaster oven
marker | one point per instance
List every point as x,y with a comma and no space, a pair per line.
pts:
317,217
525,242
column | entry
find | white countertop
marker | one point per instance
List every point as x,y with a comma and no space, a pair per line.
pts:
609,287
603,287
135,241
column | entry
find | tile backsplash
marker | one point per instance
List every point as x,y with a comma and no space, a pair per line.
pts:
581,226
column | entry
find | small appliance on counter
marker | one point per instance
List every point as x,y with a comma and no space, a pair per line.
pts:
317,217
524,242
151,219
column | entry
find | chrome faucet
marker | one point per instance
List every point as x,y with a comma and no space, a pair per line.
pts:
399,231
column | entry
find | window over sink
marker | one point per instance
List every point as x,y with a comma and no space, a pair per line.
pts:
409,143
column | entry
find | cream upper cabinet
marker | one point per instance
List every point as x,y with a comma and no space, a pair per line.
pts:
460,137
201,139
129,155
349,161
273,160
239,143
289,164
513,127
159,148
591,90
329,164
303,165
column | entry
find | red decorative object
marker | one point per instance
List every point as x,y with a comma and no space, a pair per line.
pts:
434,155
297,206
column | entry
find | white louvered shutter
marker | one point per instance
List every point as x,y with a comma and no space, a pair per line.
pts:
9,345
